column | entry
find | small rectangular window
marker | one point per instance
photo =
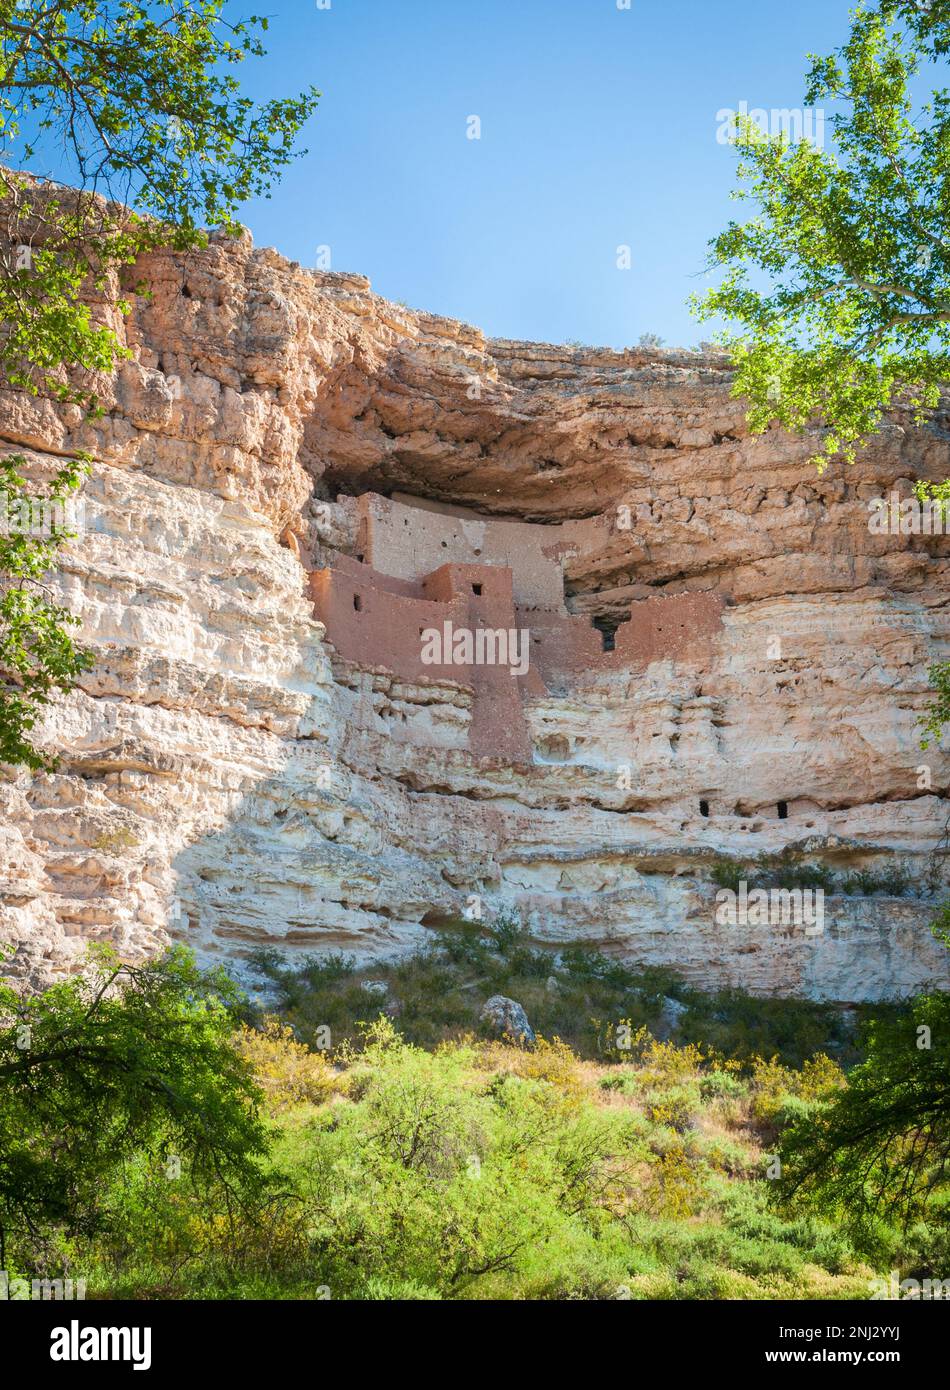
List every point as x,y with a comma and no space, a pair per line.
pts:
608,633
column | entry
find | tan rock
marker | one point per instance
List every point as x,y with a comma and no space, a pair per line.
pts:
232,776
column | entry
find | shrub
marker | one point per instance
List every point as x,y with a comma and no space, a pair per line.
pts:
623,1081
718,1085
893,882
287,1071
553,1062
783,871
675,1108
673,1186
728,873
774,1086
743,1027
665,1061
804,876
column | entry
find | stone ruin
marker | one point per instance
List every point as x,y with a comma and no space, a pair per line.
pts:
418,567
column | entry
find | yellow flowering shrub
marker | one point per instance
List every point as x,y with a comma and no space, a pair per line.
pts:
287,1071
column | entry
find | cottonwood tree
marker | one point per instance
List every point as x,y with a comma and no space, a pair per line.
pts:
839,284
138,108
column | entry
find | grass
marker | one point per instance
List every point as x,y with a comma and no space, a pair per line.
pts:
780,871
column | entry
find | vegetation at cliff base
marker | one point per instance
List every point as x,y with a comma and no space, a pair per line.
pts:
161,1138
579,995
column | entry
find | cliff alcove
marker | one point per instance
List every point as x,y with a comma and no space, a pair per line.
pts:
296,478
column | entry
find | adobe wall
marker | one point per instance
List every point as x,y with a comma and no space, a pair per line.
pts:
378,620
678,627
375,620
411,540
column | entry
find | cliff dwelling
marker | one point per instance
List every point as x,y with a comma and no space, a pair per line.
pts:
377,654
420,566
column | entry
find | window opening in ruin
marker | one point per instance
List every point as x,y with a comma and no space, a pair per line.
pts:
607,627
704,808
477,589
357,602
783,810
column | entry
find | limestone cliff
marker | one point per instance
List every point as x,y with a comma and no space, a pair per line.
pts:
234,773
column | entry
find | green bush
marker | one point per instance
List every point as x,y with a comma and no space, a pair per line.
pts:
477,1170
717,1085
785,871
893,883
729,873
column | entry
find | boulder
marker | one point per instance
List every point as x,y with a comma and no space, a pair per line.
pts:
507,1018
668,1019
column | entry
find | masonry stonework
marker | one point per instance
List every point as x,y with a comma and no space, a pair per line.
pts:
378,607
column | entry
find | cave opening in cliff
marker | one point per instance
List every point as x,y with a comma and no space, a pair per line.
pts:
429,529
460,497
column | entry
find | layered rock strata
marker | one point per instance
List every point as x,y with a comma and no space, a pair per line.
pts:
255,761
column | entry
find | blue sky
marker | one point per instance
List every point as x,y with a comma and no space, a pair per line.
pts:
598,130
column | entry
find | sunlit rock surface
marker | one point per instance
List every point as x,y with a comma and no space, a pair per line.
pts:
233,778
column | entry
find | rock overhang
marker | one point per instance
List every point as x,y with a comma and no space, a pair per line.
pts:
192,764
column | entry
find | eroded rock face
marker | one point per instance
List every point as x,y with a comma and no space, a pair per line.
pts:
233,777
